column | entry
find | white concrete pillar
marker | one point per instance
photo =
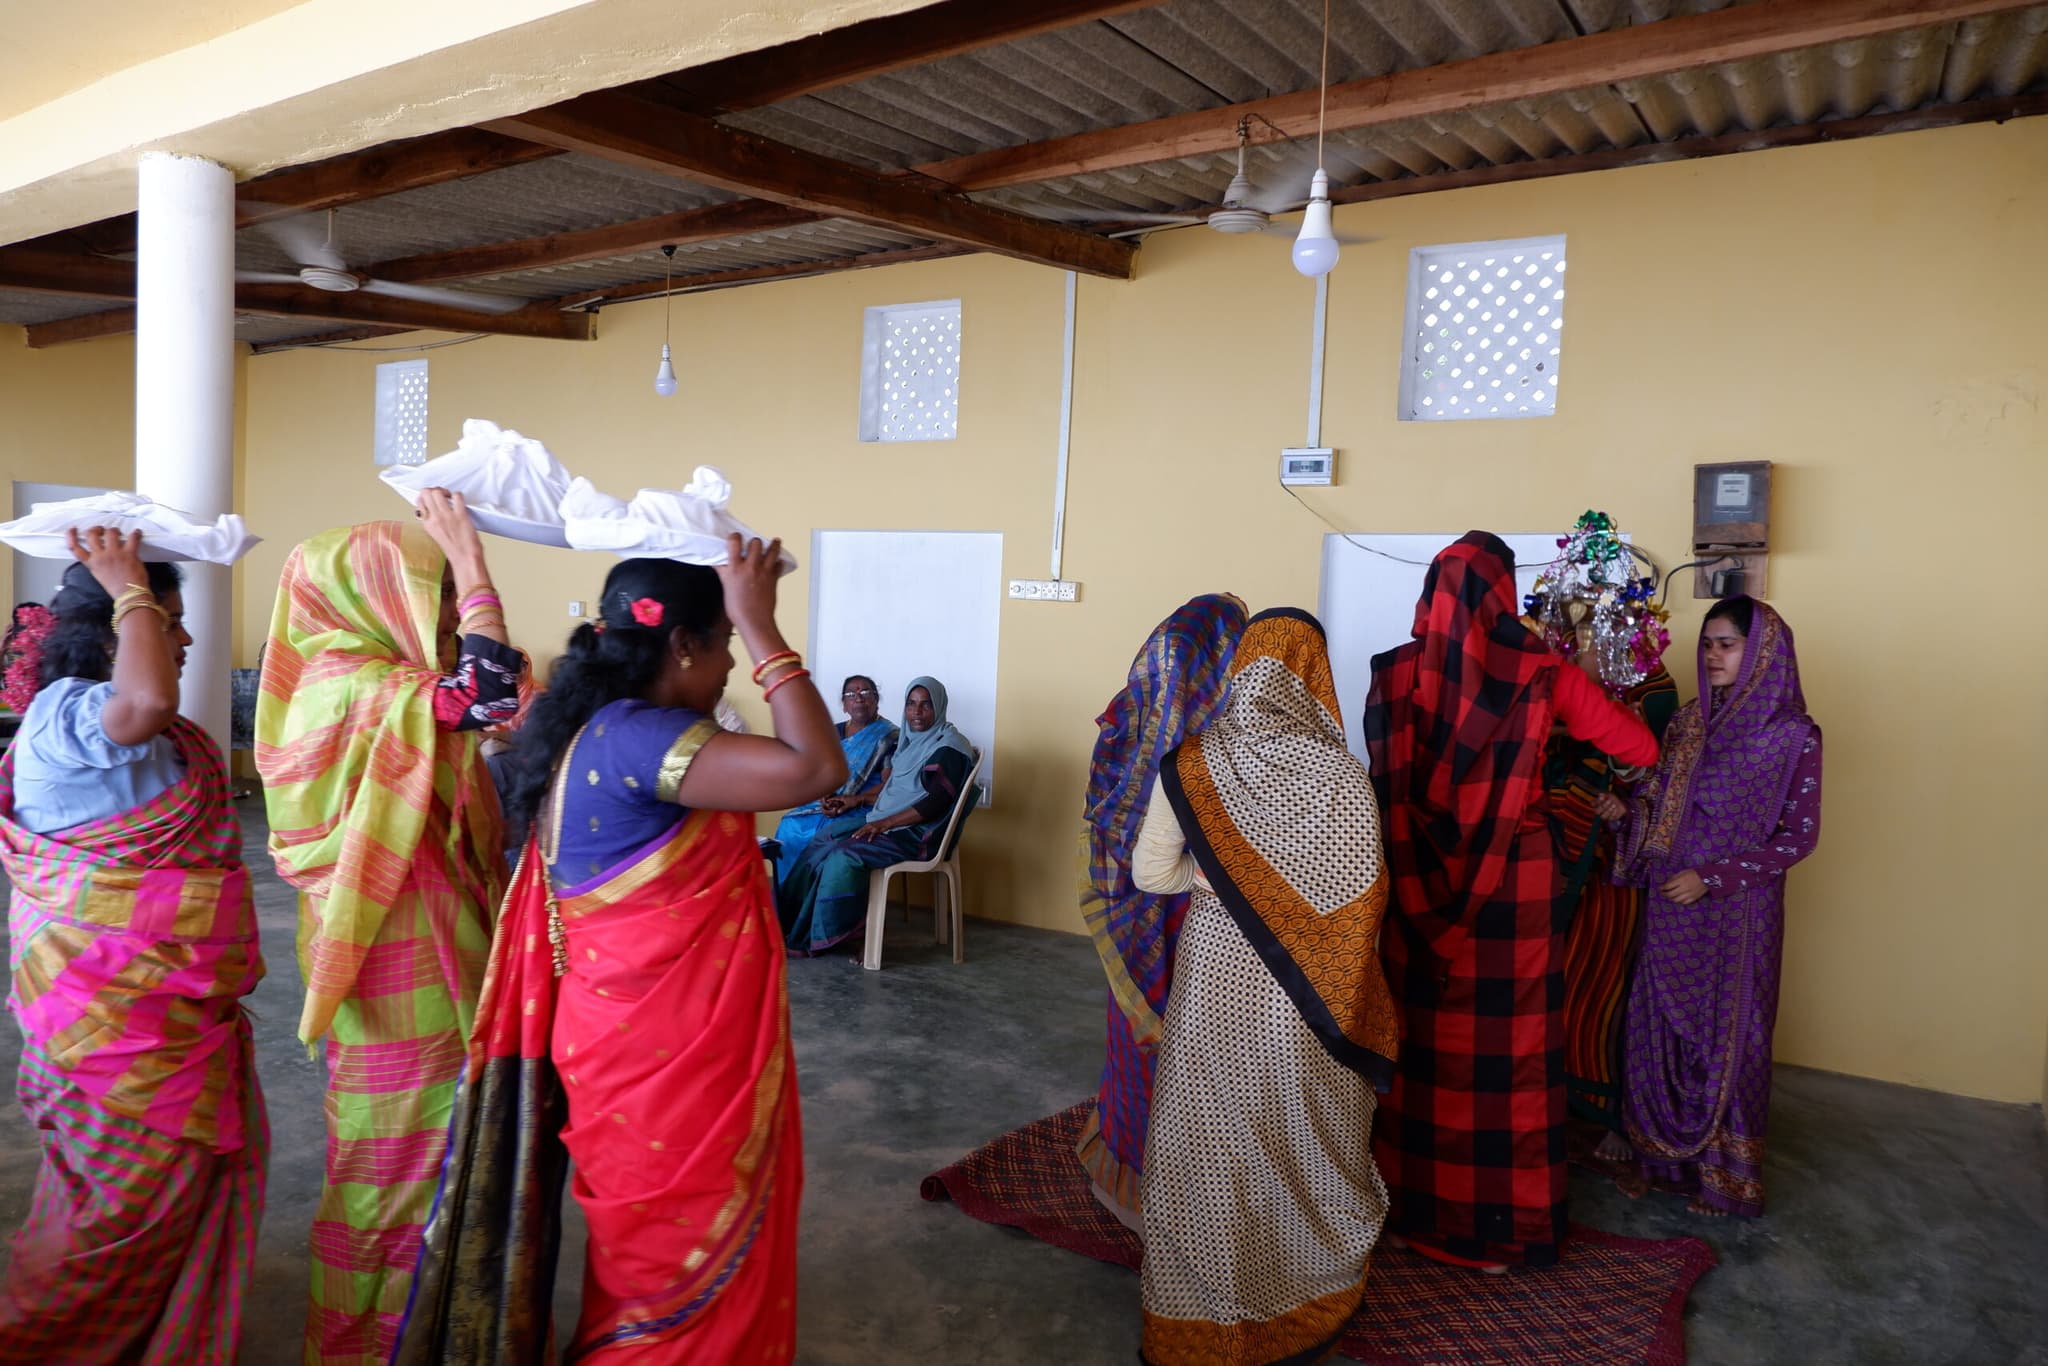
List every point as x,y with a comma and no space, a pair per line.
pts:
185,390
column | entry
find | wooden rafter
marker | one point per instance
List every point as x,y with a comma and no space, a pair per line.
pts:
339,334
387,169
633,132
872,47
544,319
747,275
745,81
1691,149
59,272
596,244
1644,50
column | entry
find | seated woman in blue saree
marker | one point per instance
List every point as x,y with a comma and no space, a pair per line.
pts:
823,899
870,743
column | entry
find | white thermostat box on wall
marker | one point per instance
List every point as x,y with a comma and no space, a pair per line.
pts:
1308,465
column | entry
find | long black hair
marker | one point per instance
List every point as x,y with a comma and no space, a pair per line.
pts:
1737,612
602,666
81,643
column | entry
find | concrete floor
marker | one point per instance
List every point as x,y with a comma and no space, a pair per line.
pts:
1905,1226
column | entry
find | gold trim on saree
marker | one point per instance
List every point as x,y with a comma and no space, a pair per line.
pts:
681,754
1302,1329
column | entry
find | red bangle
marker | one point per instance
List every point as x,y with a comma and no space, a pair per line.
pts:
771,661
769,691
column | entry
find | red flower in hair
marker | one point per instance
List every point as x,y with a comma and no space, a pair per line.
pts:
647,611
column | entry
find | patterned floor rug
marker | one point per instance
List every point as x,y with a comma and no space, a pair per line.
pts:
1609,1300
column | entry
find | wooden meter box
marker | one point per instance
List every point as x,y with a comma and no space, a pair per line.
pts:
1731,521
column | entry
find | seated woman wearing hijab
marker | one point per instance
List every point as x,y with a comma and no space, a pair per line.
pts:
869,743
823,900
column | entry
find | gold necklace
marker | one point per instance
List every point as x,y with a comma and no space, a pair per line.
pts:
557,939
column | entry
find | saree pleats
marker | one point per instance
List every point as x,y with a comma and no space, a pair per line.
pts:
133,942
659,1062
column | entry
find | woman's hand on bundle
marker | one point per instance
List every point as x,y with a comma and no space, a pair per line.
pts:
1683,888
114,557
749,575
445,515
1609,807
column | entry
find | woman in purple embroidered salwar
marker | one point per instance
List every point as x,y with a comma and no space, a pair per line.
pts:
1733,805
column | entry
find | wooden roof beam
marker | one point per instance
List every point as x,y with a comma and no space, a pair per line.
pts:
873,47
1644,50
61,272
596,244
634,132
748,275
544,320
368,174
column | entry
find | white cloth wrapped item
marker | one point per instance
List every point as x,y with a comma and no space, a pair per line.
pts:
687,524
167,533
513,486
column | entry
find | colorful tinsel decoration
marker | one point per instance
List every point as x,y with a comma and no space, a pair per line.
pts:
1593,583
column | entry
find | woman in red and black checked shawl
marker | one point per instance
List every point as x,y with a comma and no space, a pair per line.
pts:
1471,1139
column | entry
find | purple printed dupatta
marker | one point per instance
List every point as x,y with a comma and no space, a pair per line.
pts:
1729,762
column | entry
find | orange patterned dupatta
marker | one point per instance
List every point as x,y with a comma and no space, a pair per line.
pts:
1259,795
665,1042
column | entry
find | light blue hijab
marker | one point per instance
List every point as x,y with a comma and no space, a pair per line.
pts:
915,750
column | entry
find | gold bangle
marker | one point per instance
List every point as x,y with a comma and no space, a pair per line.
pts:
123,613
779,669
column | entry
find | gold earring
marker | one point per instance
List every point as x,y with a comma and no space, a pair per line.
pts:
684,660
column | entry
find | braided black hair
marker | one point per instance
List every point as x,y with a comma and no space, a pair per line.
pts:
601,666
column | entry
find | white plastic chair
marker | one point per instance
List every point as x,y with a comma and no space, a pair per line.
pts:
945,883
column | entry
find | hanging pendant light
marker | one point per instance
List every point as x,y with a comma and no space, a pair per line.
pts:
1315,248
665,376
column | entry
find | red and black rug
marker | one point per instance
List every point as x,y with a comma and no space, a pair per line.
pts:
1609,1300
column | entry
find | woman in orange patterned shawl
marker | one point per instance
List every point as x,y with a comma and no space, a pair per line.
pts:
1261,1201
133,943
387,659
634,1018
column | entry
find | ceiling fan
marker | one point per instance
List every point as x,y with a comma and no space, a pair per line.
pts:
321,267
1245,209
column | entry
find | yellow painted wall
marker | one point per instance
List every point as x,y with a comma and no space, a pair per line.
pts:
67,416
1867,315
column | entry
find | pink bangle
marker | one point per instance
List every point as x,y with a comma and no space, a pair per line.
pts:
792,675
482,597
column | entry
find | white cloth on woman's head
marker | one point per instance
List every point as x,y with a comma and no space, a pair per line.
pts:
512,484
687,524
167,533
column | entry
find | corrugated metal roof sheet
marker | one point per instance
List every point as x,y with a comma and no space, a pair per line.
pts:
24,307
1176,57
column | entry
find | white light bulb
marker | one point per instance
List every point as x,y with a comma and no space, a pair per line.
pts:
665,377
1315,249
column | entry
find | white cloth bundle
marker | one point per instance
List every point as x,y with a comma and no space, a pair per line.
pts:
688,524
167,533
513,486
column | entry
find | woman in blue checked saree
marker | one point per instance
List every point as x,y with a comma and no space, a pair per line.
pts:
1178,683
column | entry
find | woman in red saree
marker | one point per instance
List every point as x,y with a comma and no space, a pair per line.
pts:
634,1016
132,939
1471,1140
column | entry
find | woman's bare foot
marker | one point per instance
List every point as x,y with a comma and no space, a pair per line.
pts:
1699,1205
1614,1148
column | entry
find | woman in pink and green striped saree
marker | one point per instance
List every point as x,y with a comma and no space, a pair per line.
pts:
132,940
